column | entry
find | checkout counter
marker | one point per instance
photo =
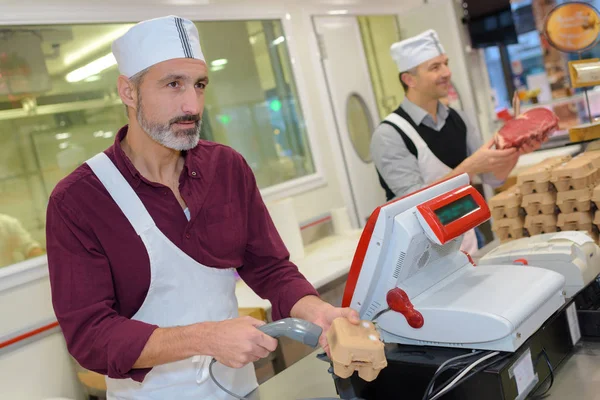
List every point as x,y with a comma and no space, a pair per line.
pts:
577,378
311,377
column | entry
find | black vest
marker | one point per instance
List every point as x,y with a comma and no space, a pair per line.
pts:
449,144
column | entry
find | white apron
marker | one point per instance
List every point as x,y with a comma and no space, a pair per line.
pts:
182,292
432,168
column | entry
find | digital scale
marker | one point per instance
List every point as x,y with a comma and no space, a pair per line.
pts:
410,277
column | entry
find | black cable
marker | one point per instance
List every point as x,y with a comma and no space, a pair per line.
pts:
544,394
465,361
210,371
475,371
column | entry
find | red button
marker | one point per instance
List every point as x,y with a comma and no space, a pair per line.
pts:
398,301
187,235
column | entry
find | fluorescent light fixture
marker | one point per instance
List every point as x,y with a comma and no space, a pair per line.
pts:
92,78
96,45
337,12
217,68
108,135
93,68
279,40
62,136
63,145
219,62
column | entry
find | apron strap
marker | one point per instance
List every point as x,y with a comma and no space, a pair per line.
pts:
405,126
121,192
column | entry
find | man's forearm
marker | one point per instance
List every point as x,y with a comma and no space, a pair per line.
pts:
167,345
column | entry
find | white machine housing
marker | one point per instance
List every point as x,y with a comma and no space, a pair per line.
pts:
493,308
572,254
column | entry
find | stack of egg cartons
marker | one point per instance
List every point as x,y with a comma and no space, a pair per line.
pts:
596,201
507,215
575,181
539,196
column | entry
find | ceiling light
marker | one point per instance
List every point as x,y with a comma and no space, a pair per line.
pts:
96,45
92,78
337,12
63,145
217,68
279,40
219,62
93,68
62,136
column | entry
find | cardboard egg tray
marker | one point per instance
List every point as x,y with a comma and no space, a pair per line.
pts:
536,179
577,221
506,204
539,203
597,218
509,228
356,348
593,157
577,174
542,223
574,200
596,196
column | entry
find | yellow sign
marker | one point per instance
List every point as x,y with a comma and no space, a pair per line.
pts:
572,27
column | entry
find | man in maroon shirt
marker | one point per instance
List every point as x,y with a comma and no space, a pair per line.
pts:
142,239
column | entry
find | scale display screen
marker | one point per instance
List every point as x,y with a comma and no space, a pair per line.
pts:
457,209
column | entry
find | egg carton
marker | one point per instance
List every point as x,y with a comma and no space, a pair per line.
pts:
538,224
594,158
539,203
577,221
579,173
506,204
536,179
596,196
597,218
356,348
509,228
574,200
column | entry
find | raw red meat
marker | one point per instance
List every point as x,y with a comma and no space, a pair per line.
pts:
530,127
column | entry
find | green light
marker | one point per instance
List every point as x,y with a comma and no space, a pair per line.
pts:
224,119
275,105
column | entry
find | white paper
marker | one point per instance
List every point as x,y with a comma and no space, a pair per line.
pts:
523,372
573,323
579,238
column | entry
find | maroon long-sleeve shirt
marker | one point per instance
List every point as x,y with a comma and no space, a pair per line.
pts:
99,267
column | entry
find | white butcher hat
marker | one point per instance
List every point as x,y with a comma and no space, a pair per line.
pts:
155,40
415,51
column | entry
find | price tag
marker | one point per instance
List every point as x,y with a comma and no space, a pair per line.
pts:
524,374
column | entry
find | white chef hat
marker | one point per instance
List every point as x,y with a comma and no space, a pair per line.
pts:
156,40
416,50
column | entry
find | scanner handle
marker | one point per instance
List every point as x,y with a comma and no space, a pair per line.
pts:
294,328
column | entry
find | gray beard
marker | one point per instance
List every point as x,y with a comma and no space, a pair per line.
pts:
182,140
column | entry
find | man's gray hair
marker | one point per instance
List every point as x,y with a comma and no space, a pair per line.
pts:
136,81
412,71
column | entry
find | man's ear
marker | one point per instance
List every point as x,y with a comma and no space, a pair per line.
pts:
126,91
408,79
